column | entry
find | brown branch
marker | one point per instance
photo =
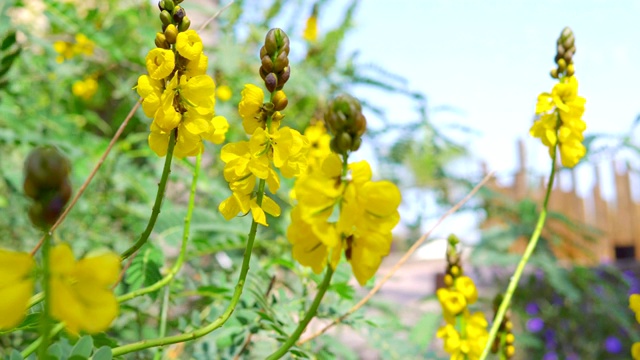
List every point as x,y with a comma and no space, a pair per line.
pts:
400,262
209,20
90,177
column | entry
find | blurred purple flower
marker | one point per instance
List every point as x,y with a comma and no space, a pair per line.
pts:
532,308
550,356
613,345
573,356
550,338
535,325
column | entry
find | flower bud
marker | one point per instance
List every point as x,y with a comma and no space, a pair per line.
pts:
562,65
184,24
355,145
45,169
171,33
161,41
165,17
571,70
280,100
267,64
271,82
270,42
554,73
169,5
161,5
283,76
281,62
178,14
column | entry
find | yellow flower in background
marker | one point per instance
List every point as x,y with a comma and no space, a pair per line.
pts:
85,88
223,93
466,287
16,286
311,30
83,45
81,294
453,302
560,121
64,49
160,63
635,351
634,305
451,338
189,44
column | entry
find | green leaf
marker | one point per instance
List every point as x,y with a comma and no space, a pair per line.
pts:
345,290
422,333
9,40
145,269
15,355
83,347
104,353
101,339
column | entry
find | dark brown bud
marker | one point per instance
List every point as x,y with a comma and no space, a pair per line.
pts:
45,169
271,82
283,76
281,62
270,43
263,73
178,14
263,52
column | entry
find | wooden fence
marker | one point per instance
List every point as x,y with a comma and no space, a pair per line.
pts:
616,223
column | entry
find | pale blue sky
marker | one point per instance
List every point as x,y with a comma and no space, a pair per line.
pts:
490,60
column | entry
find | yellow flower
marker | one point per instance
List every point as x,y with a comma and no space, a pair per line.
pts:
223,93
635,351
189,44
160,63
451,338
240,162
452,301
560,121
307,248
83,45
65,49
311,30
319,147
16,286
85,88
197,66
250,108
217,131
634,305
318,192
81,294
466,287
150,90
239,202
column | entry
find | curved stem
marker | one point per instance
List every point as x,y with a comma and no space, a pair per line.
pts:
34,345
513,284
162,185
45,323
183,248
244,270
284,348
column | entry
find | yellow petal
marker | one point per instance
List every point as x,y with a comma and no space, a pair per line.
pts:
270,206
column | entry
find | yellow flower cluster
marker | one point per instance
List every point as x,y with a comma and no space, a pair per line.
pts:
179,97
67,50
85,88
634,305
80,296
247,161
559,121
367,211
465,333
311,30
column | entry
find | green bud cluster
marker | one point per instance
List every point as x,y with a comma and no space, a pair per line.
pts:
347,124
504,341
46,181
174,20
564,57
274,55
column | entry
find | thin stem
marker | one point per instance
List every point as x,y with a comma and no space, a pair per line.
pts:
183,247
34,345
513,284
45,325
93,173
244,270
162,328
400,262
284,348
162,185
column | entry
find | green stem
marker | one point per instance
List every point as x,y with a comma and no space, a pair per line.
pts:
513,284
45,325
162,185
284,348
192,335
162,329
34,345
183,248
